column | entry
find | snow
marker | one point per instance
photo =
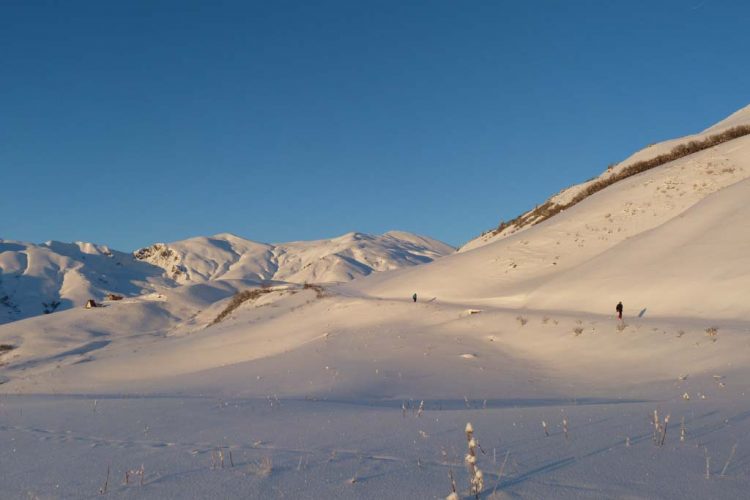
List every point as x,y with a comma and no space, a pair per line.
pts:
72,273
707,159
351,390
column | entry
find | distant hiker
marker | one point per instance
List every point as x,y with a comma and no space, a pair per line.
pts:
414,297
618,308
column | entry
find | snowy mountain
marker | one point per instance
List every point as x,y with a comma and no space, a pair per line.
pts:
53,276
735,126
226,256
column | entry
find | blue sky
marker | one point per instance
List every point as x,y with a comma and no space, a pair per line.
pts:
127,123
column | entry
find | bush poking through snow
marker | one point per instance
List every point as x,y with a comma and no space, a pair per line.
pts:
522,320
712,331
132,473
578,330
319,290
263,468
217,459
238,299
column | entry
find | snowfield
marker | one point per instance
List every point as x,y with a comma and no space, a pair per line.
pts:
352,390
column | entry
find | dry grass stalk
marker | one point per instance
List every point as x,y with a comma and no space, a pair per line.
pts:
664,431
731,456
103,489
454,493
682,430
708,467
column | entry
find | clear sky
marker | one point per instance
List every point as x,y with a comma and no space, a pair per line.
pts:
127,123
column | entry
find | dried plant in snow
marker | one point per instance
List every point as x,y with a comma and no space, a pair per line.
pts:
454,493
103,489
237,300
731,456
217,459
476,478
664,431
682,430
263,468
135,473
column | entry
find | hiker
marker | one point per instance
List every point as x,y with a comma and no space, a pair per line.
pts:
414,297
618,308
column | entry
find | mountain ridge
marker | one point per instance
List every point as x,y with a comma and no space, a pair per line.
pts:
51,276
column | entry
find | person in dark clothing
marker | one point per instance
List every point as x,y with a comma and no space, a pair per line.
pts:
618,308
414,297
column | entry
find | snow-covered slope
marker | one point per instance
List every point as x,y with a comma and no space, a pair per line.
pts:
226,256
52,276
740,118
515,269
55,276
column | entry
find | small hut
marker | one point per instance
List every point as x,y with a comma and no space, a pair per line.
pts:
91,303
113,296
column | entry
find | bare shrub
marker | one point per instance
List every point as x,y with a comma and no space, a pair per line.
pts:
319,290
522,320
237,300
578,330
712,331
263,468
134,473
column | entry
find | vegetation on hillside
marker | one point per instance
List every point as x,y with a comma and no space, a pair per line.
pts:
550,208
